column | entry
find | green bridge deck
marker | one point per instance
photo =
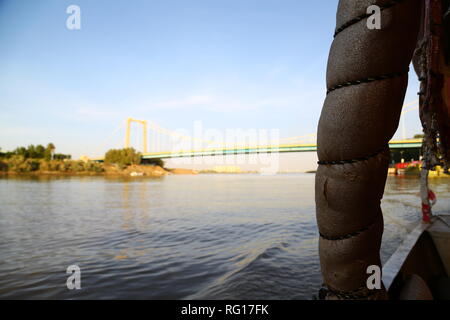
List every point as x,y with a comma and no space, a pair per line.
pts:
407,144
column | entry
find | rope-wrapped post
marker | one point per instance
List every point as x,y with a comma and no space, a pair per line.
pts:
367,78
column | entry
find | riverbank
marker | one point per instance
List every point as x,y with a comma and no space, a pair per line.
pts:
82,168
414,169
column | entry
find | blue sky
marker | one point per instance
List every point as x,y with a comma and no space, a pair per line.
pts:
227,63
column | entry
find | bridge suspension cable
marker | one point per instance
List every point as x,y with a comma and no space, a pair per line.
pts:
162,138
413,105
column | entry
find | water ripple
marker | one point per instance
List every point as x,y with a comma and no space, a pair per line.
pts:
202,237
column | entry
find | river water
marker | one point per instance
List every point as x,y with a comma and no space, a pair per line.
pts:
176,237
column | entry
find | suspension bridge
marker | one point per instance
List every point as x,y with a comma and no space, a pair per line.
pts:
162,143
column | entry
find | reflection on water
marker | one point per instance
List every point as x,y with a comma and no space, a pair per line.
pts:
178,237
401,207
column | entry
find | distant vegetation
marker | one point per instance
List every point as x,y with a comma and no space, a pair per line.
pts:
19,164
43,159
36,152
40,159
122,157
129,156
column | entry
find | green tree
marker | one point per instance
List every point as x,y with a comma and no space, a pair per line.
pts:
123,157
60,156
31,152
3,166
21,151
49,151
39,152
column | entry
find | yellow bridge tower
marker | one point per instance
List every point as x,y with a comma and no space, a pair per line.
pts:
144,132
